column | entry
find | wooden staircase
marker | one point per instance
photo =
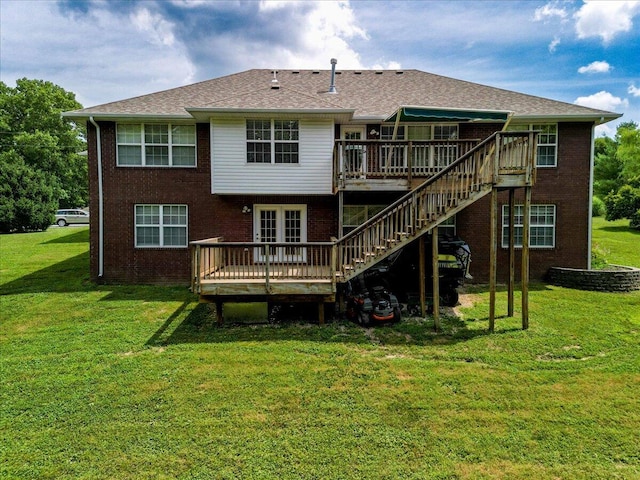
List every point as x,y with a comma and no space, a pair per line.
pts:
237,270
505,158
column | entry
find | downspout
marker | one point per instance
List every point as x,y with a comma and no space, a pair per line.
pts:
590,209
100,202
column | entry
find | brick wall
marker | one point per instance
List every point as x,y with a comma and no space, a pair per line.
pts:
209,215
567,187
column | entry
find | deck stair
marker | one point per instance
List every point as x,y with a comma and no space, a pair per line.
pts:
503,160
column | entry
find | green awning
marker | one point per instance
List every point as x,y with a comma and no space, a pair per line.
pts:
426,114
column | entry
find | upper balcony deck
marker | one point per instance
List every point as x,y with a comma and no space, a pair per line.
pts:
367,165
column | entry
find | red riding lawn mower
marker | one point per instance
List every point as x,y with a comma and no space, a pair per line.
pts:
369,296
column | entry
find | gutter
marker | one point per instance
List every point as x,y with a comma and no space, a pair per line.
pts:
590,209
100,202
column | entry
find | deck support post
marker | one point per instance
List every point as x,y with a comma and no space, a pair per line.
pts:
436,278
526,212
422,277
493,258
512,269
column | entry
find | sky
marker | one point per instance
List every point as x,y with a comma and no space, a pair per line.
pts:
583,52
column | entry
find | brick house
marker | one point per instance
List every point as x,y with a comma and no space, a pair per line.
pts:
308,156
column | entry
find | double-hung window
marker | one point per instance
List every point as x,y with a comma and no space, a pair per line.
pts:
161,226
547,142
272,141
355,215
542,226
163,145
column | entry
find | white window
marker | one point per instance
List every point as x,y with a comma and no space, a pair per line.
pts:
272,141
542,226
547,142
355,215
448,227
161,226
163,145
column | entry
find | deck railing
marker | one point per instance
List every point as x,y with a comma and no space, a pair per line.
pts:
448,191
394,159
215,260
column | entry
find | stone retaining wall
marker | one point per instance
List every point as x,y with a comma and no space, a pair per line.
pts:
618,278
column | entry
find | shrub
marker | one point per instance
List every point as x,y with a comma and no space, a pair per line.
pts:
623,204
598,257
597,207
635,220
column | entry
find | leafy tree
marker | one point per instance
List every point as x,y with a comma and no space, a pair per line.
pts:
617,173
607,172
623,204
33,130
27,195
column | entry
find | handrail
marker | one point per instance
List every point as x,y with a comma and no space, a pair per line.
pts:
354,160
435,200
427,182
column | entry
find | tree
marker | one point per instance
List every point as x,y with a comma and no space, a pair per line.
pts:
47,147
607,172
617,174
27,196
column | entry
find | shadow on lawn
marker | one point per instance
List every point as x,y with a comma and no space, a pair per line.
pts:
70,275
620,229
199,326
81,236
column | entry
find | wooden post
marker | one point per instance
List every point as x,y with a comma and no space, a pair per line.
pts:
422,274
493,258
410,163
512,242
267,254
526,212
436,278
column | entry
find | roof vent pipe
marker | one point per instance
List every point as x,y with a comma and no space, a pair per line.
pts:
332,87
275,85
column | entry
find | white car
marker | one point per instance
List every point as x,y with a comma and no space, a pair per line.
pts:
68,216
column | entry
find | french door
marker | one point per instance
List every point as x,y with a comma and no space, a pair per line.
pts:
354,156
280,224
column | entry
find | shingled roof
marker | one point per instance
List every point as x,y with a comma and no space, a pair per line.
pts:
366,94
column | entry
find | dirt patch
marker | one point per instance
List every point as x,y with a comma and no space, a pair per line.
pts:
466,300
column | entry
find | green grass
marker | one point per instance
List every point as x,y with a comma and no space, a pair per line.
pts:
616,241
136,382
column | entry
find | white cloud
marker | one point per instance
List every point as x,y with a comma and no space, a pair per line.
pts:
550,10
603,101
158,29
101,56
633,90
605,19
595,67
554,44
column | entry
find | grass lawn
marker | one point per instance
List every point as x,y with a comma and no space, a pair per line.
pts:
619,244
136,382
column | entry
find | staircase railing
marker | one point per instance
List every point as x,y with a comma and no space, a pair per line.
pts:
461,183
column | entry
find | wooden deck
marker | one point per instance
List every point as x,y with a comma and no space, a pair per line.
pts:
239,269
226,271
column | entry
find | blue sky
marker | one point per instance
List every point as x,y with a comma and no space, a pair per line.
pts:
574,51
